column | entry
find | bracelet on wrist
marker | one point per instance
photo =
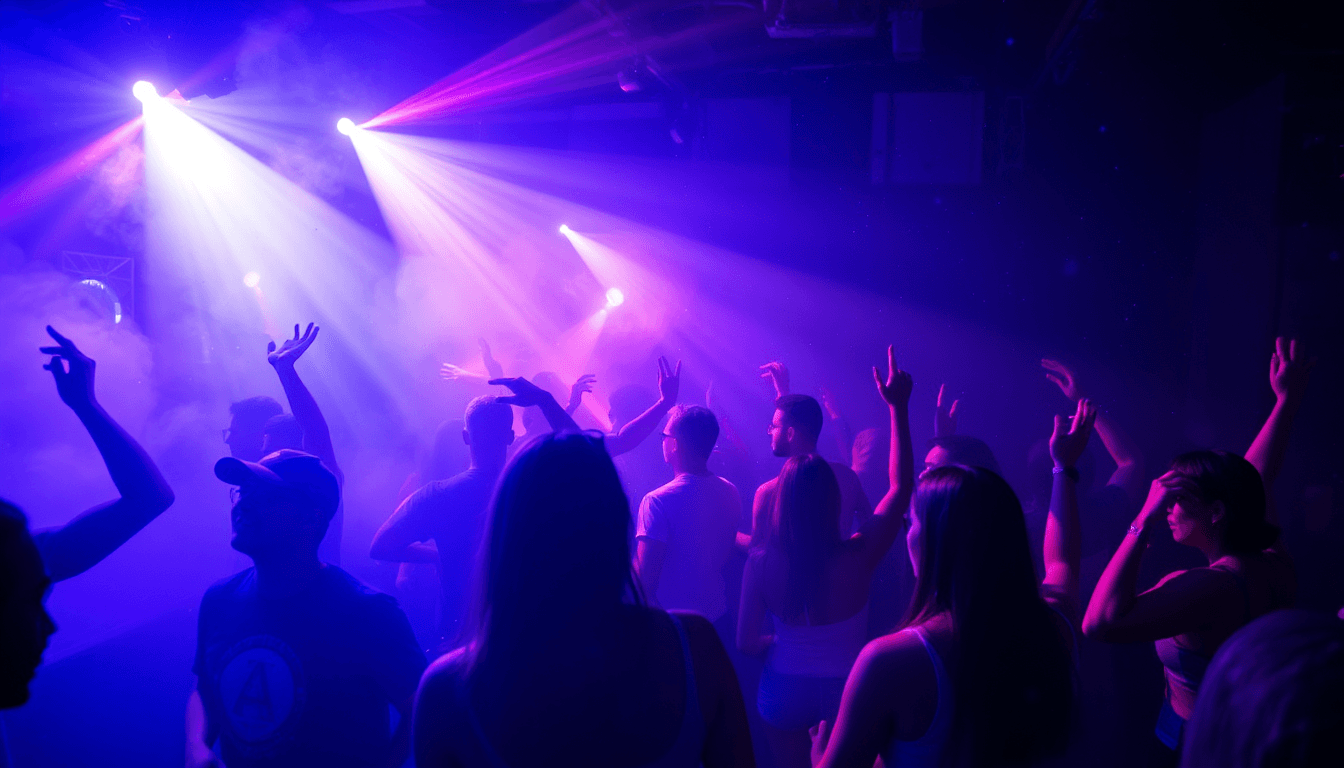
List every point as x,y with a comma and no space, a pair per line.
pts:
1069,472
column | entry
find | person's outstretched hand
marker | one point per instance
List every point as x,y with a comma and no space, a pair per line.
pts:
1068,440
669,380
584,384
945,414
450,372
73,384
777,374
291,349
525,393
895,389
1063,378
828,402
492,367
1288,368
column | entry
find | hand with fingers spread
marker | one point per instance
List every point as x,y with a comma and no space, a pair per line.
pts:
669,381
525,393
1166,490
584,384
1069,440
450,372
1289,369
945,417
73,383
1063,378
895,389
492,367
778,375
291,349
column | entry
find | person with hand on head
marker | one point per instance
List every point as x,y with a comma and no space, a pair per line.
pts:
1214,501
566,665
686,529
297,662
451,513
979,673
815,583
144,495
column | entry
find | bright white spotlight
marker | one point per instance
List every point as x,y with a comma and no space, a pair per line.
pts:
251,279
564,229
614,297
145,91
346,125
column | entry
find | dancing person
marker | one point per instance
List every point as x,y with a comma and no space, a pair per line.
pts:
451,513
1214,501
980,673
794,430
814,583
25,624
687,528
566,665
144,495
1128,474
1273,696
297,662
246,433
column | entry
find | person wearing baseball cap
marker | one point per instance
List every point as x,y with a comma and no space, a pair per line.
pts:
297,661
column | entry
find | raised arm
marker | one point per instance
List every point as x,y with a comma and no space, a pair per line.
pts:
945,413
1128,474
1063,540
889,517
639,428
1289,370
144,494
316,435
778,375
844,436
582,385
526,394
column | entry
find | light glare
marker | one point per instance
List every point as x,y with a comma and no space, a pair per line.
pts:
615,297
564,229
346,126
145,91
251,279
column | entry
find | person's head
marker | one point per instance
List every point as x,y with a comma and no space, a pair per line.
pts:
1228,511
247,426
629,401
795,425
806,527
282,504
489,428
1273,697
25,624
968,546
689,437
556,547
960,449
281,432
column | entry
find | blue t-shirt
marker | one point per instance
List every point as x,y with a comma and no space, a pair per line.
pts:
304,680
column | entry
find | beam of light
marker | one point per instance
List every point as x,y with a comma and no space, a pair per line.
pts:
615,298
579,48
145,91
30,194
346,126
213,212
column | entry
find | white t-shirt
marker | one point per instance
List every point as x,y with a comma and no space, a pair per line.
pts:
696,517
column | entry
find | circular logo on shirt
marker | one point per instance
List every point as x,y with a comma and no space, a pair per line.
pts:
261,687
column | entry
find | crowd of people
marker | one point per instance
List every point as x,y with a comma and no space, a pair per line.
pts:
587,615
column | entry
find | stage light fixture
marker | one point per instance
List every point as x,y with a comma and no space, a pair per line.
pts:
615,298
346,126
564,229
251,279
145,91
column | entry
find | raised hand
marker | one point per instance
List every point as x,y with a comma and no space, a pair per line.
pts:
945,415
584,384
525,393
828,402
821,736
895,389
75,384
1166,490
1063,378
778,375
291,349
1289,368
492,367
450,372
669,381
1069,440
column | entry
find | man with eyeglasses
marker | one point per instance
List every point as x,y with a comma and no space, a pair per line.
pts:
297,662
